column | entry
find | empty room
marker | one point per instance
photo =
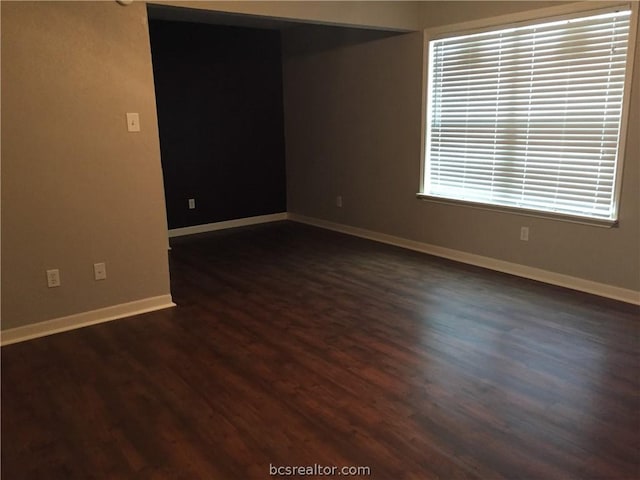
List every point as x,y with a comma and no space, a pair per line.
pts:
369,239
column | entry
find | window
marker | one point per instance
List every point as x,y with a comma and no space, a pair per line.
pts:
530,116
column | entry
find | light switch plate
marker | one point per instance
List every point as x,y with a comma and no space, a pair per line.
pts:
133,122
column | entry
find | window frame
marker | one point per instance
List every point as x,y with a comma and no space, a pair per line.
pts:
515,20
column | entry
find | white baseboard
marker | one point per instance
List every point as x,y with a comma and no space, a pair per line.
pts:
84,319
71,322
240,222
574,283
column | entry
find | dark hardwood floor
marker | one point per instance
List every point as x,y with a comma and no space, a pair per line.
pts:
296,346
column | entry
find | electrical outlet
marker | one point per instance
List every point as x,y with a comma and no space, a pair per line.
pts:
53,278
100,271
524,234
339,201
192,203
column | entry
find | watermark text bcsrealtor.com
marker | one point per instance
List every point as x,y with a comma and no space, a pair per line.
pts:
317,470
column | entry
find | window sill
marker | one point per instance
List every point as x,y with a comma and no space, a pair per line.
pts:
594,222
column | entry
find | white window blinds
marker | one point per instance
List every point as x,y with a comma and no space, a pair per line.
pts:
529,116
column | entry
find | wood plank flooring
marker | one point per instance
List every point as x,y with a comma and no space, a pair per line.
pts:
295,346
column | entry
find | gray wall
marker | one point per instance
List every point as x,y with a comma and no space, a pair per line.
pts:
77,188
353,127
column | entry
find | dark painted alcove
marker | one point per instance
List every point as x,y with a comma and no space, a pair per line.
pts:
220,115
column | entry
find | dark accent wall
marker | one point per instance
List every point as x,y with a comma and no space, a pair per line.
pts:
220,115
